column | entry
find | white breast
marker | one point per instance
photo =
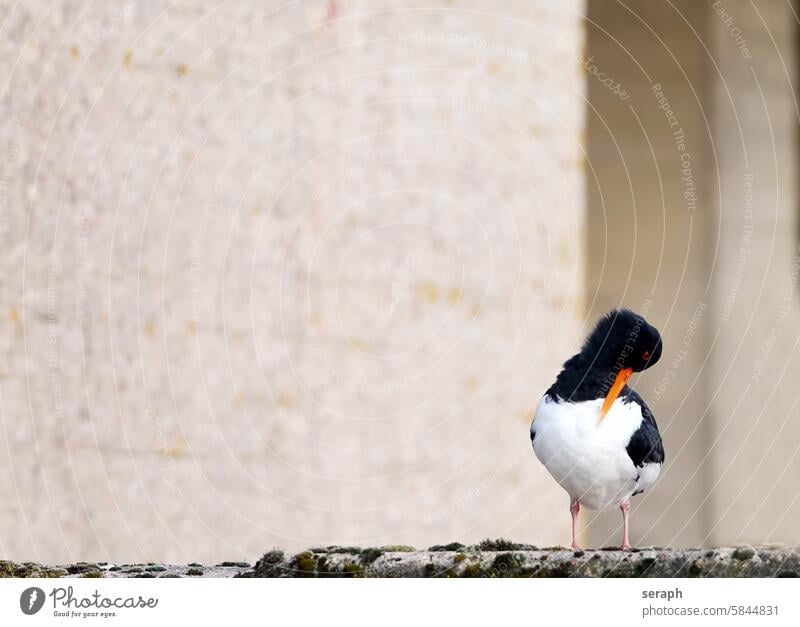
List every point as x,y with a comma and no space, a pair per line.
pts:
589,458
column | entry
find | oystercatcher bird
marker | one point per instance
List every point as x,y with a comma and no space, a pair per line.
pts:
593,433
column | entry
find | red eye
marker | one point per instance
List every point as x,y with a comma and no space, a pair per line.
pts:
646,355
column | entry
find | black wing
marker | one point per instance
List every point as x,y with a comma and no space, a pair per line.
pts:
645,446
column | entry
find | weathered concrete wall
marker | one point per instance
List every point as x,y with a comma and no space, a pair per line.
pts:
497,558
287,276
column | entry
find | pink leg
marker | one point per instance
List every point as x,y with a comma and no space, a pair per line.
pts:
625,506
574,508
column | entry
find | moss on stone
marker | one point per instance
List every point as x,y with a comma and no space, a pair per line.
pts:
52,573
323,568
349,568
439,571
501,544
304,564
10,569
644,565
453,546
82,567
472,571
29,569
156,568
270,564
370,555
343,549
505,565
552,569
352,569
274,556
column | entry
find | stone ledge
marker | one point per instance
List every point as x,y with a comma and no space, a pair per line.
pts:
491,558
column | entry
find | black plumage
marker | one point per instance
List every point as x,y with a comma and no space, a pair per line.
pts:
617,341
645,446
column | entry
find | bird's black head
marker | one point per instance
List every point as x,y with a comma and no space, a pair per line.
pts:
620,344
623,339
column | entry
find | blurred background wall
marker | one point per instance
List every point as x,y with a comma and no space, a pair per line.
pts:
650,243
287,274
692,215
297,274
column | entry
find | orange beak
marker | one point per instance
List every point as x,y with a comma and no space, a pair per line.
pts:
619,383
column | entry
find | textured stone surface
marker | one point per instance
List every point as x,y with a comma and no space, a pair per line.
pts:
489,559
